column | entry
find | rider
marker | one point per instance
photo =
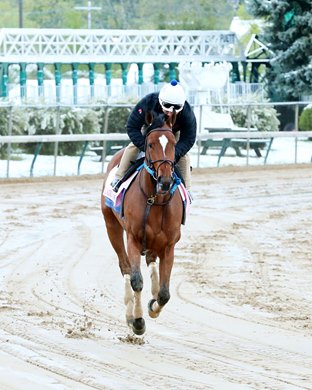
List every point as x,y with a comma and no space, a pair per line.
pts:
170,98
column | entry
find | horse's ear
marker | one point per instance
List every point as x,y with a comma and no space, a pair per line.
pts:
171,119
149,117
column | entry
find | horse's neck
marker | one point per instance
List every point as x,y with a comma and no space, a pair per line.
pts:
147,183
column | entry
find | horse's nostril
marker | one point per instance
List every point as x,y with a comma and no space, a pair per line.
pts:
164,184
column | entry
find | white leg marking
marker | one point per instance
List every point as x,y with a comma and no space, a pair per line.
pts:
138,310
154,279
156,308
128,298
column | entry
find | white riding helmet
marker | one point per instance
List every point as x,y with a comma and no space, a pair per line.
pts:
172,96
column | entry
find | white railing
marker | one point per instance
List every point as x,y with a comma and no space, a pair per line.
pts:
116,46
121,137
22,139
198,160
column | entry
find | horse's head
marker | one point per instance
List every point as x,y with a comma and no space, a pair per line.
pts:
160,151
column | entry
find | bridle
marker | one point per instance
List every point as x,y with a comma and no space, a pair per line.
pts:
149,166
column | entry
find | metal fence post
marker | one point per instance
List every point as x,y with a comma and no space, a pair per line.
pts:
107,111
57,132
9,144
248,129
199,127
296,129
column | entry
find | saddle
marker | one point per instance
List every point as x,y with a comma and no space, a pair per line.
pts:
116,200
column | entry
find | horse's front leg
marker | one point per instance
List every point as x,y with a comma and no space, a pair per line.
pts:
165,266
115,233
136,281
129,300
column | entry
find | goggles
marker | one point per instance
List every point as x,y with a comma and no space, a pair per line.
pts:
170,107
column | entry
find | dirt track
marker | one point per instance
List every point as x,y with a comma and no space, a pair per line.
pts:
240,312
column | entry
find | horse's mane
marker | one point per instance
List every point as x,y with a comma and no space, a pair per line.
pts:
157,120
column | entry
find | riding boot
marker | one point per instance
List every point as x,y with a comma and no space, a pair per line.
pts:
184,166
130,154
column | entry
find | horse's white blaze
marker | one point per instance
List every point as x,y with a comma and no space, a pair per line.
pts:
163,142
154,279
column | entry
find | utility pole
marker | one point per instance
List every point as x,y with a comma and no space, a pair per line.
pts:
20,13
89,8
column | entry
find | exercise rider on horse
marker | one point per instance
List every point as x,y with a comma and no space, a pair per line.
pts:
170,98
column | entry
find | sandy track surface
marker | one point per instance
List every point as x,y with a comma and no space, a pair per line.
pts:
240,311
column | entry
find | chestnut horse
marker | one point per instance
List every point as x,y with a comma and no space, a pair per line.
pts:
152,217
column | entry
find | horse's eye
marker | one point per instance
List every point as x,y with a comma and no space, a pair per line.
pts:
150,146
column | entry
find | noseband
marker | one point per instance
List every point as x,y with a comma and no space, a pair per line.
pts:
151,168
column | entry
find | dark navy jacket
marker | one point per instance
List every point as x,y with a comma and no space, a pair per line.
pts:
185,123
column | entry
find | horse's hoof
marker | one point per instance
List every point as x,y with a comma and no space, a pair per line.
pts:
152,313
138,326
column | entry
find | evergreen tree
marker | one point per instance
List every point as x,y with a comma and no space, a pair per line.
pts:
288,33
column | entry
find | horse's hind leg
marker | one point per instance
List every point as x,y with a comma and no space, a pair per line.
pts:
154,289
165,266
154,279
128,300
151,262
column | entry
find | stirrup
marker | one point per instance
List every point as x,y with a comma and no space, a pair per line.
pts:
190,196
115,184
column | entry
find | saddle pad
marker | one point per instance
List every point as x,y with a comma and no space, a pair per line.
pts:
114,199
185,198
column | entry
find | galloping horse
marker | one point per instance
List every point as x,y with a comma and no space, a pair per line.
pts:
152,217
